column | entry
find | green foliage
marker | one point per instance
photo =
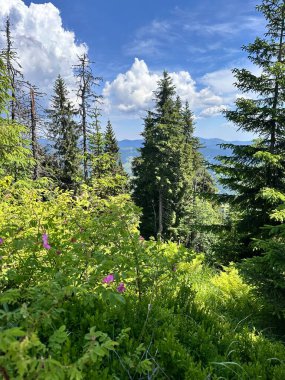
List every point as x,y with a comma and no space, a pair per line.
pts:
266,271
167,174
4,85
63,132
253,168
61,319
104,152
15,155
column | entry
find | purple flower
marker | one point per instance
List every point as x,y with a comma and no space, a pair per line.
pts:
108,279
121,288
1,241
45,241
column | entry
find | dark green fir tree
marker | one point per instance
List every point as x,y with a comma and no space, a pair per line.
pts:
63,132
164,172
111,148
255,173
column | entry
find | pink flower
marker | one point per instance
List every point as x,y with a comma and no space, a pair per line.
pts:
121,288
1,241
108,279
141,238
45,241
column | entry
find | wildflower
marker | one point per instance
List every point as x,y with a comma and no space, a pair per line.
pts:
141,238
121,288
45,241
1,241
174,268
108,279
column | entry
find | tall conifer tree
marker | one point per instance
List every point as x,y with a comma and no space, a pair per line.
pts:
111,147
253,173
163,173
64,134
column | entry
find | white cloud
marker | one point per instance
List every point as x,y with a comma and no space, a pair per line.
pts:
213,111
220,81
132,92
44,47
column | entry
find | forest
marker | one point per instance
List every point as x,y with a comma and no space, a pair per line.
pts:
154,275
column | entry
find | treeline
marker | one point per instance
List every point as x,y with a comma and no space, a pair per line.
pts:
170,177
74,149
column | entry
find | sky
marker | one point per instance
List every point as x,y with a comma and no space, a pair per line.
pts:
131,42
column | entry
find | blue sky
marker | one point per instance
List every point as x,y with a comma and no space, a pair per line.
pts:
132,42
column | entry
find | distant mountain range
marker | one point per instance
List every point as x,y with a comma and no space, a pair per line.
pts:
209,148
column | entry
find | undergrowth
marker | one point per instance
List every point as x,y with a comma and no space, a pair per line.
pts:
84,296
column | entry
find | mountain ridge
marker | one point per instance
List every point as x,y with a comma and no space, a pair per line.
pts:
209,148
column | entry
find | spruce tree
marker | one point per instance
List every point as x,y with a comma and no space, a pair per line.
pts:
64,133
111,143
96,145
252,170
111,148
163,173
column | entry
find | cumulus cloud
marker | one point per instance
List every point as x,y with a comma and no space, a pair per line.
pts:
132,92
44,47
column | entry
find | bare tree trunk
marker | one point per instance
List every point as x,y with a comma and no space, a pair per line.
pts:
84,132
